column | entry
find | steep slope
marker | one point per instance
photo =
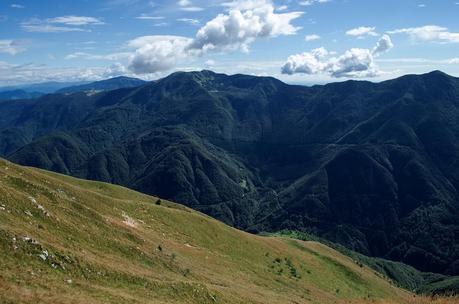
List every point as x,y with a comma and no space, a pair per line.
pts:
64,240
372,166
104,85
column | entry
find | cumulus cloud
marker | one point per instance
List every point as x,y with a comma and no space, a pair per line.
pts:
383,45
244,22
11,47
157,53
362,31
429,33
306,63
354,63
237,29
454,61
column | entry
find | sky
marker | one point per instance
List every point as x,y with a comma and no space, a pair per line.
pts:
298,41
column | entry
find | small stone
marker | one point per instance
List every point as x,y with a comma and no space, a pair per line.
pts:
44,255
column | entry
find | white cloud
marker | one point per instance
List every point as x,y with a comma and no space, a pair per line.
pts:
454,61
192,9
244,5
14,5
187,5
11,47
383,45
429,33
239,28
11,74
306,63
75,20
362,31
87,56
53,25
189,20
184,3
311,37
210,63
146,17
311,2
157,53
245,22
354,63
282,8
46,28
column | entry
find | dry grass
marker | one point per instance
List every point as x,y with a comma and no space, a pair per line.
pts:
107,244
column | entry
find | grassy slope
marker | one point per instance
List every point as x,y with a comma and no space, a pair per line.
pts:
105,244
401,274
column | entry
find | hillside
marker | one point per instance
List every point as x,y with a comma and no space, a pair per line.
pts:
372,166
64,240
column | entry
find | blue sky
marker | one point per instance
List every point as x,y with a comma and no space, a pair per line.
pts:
298,41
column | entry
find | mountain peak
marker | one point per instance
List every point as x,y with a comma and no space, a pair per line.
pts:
438,72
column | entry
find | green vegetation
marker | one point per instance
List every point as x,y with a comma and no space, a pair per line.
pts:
64,240
400,274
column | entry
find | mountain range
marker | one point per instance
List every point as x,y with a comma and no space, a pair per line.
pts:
372,166
43,87
38,89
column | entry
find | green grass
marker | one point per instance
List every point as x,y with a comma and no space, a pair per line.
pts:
64,240
400,274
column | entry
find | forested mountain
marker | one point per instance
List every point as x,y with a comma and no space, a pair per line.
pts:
373,166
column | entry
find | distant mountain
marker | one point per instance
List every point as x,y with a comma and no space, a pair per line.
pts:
372,166
74,241
37,89
105,85
44,87
18,94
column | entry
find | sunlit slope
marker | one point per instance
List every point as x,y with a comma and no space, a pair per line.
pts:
64,240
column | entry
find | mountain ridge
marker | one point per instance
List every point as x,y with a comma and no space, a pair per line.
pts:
104,85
